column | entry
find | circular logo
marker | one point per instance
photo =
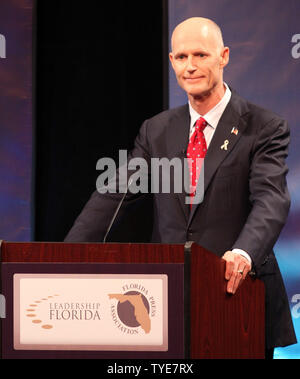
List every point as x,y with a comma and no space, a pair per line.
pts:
129,313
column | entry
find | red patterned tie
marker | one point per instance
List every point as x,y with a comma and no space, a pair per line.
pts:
196,149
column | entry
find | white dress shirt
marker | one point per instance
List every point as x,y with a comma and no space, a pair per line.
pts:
212,118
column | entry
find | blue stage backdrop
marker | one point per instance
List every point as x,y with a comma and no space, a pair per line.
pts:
15,119
264,37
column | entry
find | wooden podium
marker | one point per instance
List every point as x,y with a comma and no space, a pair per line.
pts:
204,322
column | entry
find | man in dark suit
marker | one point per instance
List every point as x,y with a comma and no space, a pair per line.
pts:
246,201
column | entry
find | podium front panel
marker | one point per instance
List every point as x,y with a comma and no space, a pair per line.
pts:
93,310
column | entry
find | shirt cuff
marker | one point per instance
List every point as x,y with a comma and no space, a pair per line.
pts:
243,253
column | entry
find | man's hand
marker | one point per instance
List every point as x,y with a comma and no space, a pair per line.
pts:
237,268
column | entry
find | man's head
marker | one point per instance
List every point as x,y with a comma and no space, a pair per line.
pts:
198,57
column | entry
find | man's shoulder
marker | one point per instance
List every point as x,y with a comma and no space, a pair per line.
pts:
264,114
167,116
257,112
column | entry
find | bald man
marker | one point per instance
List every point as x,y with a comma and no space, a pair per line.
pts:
198,58
244,147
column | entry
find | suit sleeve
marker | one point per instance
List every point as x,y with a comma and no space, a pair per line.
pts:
92,223
268,192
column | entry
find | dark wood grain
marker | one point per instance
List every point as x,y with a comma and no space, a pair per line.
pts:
224,326
94,252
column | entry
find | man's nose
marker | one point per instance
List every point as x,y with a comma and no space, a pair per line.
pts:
191,66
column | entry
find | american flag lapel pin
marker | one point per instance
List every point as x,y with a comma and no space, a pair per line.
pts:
235,131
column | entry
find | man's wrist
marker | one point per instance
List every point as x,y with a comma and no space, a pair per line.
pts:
244,254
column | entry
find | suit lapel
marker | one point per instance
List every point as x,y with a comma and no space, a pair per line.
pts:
177,142
224,140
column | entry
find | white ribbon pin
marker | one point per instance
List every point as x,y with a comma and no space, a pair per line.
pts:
225,146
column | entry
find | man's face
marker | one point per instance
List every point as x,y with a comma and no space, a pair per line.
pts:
198,61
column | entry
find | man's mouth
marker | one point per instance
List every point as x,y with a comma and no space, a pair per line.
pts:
193,79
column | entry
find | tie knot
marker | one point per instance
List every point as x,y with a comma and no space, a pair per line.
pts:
200,124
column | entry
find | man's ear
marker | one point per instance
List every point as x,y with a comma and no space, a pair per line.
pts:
225,57
171,57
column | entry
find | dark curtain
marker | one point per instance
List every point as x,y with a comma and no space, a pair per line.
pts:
99,74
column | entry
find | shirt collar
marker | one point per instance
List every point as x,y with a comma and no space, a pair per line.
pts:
213,116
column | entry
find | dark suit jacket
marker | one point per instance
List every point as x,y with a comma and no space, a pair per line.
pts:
246,201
